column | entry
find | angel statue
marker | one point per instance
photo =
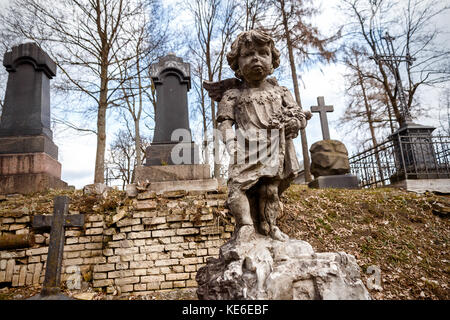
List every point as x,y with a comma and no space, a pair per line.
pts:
264,115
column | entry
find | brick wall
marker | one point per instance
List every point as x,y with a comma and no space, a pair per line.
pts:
153,243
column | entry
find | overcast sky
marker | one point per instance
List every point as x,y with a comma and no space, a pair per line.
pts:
77,153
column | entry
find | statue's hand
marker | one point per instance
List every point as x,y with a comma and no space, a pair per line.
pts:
292,128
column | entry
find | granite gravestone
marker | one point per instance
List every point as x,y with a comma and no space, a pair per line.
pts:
28,156
172,158
329,158
172,80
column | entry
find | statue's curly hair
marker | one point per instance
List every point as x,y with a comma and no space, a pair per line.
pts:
257,36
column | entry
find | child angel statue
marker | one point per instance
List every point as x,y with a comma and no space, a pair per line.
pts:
266,118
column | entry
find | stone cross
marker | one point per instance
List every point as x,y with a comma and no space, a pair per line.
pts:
60,220
322,109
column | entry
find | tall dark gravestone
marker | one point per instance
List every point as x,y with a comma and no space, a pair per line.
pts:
28,156
172,158
172,80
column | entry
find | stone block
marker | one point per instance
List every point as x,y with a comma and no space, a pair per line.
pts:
146,195
140,235
156,173
128,222
29,163
163,233
184,185
179,284
100,275
140,287
28,144
166,262
125,281
177,276
102,283
140,272
145,205
345,181
154,278
187,231
166,285
29,183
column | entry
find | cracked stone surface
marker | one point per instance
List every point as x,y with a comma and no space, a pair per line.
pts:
254,267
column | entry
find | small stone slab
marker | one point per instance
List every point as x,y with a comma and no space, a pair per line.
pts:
344,181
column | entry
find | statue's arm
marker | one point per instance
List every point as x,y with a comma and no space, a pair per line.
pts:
296,117
225,119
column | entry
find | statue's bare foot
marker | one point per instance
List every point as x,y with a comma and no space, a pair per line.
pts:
276,234
245,233
264,228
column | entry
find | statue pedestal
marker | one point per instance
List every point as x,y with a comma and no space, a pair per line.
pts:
260,268
341,181
29,172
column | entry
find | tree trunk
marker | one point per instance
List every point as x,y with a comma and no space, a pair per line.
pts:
99,174
305,151
138,143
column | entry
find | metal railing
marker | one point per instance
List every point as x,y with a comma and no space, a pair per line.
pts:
403,157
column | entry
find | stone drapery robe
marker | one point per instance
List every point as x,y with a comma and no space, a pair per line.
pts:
255,112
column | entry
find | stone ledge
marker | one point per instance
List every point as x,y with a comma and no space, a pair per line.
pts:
186,185
424,185
343,181
28,144
29,183
172,173
29,163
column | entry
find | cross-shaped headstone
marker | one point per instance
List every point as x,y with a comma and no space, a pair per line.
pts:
322,109
57,222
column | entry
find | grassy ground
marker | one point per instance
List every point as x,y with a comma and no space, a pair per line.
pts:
404,234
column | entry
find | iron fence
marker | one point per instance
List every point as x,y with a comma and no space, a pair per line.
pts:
403,157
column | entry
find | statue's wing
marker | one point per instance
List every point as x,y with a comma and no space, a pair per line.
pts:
272,81
217,89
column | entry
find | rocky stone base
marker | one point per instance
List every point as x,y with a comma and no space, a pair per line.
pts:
254,267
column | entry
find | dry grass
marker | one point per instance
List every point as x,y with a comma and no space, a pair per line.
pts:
394,230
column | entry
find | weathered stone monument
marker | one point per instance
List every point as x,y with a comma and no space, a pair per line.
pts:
172,159
28,156
329,158
260,261
51,289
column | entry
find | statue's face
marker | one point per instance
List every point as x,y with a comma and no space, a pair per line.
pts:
255,62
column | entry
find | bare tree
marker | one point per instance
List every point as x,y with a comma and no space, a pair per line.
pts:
254,13
444,111
122,158
415,42
85,38
368,107
215,25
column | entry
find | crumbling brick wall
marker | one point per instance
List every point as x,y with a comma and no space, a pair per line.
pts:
158,242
